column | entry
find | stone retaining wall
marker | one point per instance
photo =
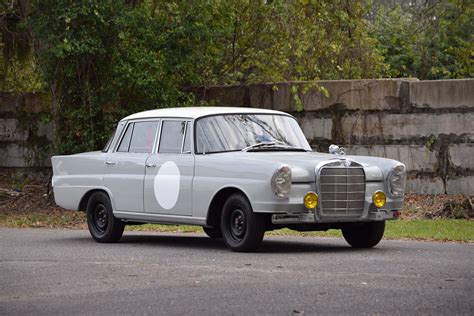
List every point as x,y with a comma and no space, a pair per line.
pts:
428,125
26,132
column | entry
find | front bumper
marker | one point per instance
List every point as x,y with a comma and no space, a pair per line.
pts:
298,214
312,217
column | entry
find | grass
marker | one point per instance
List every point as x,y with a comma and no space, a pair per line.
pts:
418,229
431,229
62,219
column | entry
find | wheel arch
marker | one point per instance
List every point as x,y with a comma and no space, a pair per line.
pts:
215,207
85,198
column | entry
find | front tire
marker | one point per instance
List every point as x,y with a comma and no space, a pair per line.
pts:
242,229
363,235
103,226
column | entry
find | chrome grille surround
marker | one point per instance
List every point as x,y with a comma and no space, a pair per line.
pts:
341,189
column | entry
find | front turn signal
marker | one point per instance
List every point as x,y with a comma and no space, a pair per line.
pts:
379,199
311,200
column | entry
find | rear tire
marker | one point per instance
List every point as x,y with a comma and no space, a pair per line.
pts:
213,232
242,229
363,235
103,226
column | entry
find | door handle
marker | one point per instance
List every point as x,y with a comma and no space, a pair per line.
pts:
150,165
110,162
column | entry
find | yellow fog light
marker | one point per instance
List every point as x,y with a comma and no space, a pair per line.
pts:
379,198
311,200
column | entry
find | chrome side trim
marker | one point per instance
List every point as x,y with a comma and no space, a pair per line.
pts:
160,218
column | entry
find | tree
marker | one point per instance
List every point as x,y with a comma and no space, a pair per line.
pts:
19,71
105,59
427,40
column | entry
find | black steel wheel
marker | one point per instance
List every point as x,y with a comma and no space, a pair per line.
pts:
242,229
213,232
363,235
102,224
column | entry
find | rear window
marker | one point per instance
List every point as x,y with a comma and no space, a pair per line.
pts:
139,137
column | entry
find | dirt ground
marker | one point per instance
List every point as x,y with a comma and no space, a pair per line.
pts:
27,203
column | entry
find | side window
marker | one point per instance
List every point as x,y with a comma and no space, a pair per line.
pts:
125,143
172,133
187,139
143,137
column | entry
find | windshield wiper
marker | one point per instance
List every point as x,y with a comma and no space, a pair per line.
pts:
262,144
275,144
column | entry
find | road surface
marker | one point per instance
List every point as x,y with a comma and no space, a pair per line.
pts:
66,272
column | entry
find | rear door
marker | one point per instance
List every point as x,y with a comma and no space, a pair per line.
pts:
169,172
125,165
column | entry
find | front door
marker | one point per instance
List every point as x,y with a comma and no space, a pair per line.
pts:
169,173
125,165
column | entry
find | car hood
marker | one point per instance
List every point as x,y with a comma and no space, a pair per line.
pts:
303,164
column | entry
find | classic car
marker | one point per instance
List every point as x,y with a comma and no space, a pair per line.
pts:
237,172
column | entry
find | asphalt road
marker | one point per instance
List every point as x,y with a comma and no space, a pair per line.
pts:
65,272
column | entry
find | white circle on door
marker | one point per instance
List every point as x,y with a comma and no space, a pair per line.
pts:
166,185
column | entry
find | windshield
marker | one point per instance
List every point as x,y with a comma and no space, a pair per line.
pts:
248,132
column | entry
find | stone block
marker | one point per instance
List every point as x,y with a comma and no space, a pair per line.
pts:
442,93
267,96
405,126
32,102
9,103
36,102
10,131
226,95
18,155
461,185
380,94
425,185
13,155
316,127
46,130
415,157
462,156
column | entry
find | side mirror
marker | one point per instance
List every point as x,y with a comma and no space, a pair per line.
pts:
336,150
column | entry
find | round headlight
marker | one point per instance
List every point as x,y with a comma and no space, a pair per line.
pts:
281,182
397,180
379,198
311,200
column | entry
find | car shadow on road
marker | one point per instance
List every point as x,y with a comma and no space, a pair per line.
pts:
197,242
315,245
180,241
268,245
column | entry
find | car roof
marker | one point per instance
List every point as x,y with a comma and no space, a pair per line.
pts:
196,112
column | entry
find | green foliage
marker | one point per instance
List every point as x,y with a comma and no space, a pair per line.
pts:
433,40
19,76
104,59
18,71
430,142
291,40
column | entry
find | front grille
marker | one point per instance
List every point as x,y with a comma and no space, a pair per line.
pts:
342,191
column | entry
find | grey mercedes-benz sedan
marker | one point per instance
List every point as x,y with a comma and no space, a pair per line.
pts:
237,172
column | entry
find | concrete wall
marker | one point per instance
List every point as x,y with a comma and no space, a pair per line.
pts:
428,125
26,132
